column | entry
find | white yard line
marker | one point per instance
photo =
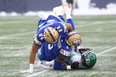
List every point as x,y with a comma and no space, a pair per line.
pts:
12,22
12,35
96,23
98,54
105,51
35,74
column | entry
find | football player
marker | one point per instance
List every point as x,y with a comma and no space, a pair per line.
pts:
85,56
82,59
60,50
50,29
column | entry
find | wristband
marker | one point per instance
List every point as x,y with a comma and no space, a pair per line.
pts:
68,67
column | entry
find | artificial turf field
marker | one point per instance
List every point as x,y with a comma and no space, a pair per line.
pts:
16,38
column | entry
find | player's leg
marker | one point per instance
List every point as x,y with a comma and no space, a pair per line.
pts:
67,11
59,12
43,57
56,64
41,53
42,19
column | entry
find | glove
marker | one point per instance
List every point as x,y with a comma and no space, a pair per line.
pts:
30,69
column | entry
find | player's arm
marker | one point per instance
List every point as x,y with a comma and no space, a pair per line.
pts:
59,64
69,28
32,56
33,52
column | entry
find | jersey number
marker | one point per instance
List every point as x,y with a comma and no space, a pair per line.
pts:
50,46
65,53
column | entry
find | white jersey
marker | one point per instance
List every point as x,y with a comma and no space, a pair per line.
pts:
76,57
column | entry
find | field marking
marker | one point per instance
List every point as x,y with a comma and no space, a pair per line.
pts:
12,35
98,54
96,23
13,22
108,50
35,74
5,37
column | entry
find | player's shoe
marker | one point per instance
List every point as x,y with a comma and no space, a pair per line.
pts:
43,16
46,64
67,9
58,10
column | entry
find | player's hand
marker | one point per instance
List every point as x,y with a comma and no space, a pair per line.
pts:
30,70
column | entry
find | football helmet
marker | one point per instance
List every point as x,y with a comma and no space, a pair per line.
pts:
50,35
73,39
89,59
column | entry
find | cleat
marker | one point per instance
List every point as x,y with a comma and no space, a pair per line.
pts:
58,10
67,9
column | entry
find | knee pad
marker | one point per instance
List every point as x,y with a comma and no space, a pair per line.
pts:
75,65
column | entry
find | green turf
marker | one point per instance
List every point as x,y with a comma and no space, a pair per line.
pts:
16,38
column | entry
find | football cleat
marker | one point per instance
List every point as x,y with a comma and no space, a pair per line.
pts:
46,64
58,10
67,9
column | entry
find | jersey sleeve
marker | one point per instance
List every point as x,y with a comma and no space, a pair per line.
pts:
39,36
38,39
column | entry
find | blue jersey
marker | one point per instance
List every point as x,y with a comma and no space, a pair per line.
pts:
50,22
49,52
52,19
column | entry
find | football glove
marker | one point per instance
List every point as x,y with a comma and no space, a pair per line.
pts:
30,69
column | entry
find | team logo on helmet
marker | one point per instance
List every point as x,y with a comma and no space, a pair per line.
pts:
73,38
50,35
89,59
